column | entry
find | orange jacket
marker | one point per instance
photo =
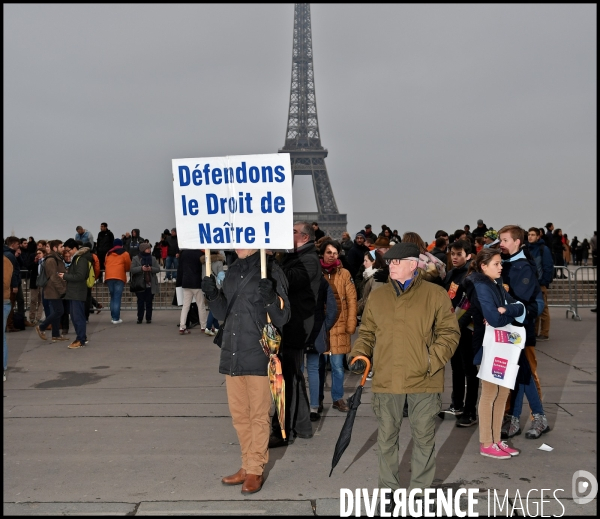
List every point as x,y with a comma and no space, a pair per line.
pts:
96,265
116,264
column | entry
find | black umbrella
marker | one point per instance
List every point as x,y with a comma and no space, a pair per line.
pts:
353,403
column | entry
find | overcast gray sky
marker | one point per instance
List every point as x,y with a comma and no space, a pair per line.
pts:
433,115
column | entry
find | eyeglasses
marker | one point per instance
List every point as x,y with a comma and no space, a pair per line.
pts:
397,261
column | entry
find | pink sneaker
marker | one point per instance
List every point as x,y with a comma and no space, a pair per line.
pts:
505,447
493,451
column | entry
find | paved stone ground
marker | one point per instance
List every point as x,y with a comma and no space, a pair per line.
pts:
137,423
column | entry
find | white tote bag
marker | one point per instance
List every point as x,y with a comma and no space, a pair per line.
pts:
179,294
501,350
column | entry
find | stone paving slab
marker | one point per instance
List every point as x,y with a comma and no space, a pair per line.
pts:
81,509
218,508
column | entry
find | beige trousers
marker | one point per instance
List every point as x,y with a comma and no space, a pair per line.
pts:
491,411
188,294
249,400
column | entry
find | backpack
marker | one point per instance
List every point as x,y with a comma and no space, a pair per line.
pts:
42,278
91,279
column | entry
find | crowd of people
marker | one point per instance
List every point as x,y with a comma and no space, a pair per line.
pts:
414,307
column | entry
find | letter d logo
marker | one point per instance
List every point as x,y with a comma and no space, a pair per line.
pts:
579,488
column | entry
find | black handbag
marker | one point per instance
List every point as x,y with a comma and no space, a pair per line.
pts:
218,340
137,283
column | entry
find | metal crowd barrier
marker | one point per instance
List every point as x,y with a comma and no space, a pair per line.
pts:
585,289
560,292
163,300
573,289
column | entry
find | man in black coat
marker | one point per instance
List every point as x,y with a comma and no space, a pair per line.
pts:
356,255
318,232
104,242
243,361
439,251
480,230
172,261
462,360
302,270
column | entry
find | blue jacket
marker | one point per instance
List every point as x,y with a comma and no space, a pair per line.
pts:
486,296
85,237
542,255
521,277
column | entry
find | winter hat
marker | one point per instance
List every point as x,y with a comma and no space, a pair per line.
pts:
403,251
491,234
360,233
118,242
479,222
144,247
382,243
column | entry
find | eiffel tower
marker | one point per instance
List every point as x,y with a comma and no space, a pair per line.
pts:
303,138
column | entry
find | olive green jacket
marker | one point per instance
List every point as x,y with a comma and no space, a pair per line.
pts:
416,333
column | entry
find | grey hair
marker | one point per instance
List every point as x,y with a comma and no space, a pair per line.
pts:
306,229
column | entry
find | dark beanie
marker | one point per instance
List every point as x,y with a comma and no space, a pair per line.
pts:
118,242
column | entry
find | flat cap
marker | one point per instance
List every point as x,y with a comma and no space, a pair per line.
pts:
403,251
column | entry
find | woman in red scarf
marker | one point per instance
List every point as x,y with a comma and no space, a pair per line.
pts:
339,336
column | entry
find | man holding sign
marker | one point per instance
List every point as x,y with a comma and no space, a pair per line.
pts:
242,305
242,203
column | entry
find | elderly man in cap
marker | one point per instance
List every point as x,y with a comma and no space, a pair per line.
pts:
416,332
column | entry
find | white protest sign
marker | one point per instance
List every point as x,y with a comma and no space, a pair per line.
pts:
235,202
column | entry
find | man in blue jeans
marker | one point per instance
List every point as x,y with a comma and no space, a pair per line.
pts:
54,292
521,276
172,254
76,278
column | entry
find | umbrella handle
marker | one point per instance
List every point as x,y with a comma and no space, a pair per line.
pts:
367,369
